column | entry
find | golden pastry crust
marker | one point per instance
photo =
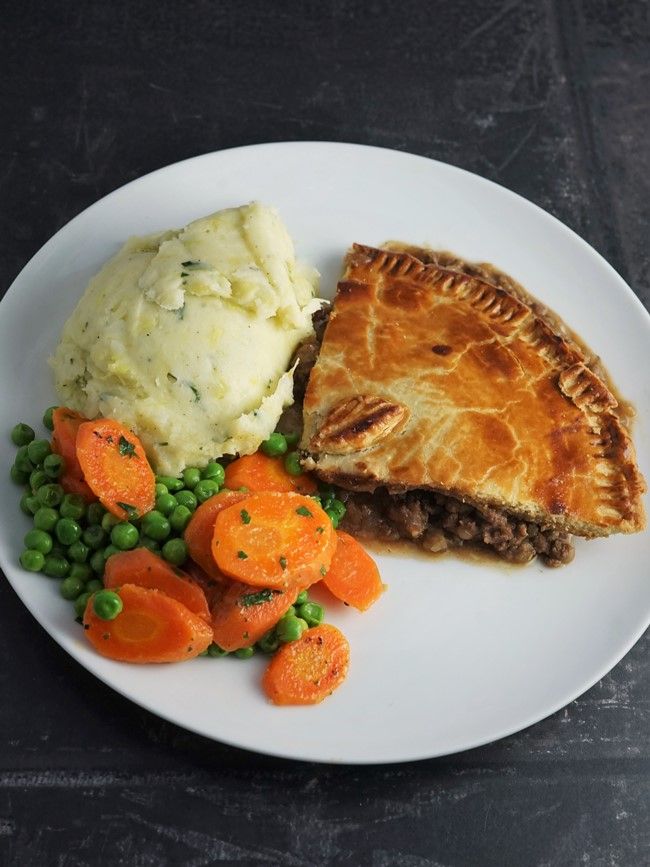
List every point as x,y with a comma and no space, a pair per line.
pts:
475,396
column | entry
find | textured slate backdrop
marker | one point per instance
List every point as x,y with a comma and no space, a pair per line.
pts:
548,98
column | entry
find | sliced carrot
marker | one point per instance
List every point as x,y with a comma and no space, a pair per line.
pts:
146,569
212,589
66,423
198,533
116,468
308,670
245,613
258,472
353,576
152,627
273,540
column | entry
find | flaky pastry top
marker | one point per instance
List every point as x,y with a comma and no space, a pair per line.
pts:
429,378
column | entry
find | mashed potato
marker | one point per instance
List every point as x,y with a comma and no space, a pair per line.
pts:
186,337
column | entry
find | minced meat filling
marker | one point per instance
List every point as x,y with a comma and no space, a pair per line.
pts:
437,522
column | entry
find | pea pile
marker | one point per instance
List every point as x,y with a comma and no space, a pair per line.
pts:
71,540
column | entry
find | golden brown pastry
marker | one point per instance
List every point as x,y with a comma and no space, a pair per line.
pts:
430,379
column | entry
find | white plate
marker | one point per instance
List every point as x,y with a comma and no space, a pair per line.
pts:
455,654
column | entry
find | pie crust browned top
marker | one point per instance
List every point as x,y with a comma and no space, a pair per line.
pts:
433,379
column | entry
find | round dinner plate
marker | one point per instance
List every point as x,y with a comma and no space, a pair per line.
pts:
456,653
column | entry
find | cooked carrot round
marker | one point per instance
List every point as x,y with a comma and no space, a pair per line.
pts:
308,670
259,472
152,627
273,540
353,576
142,567
116,468
244,614
200,529
65,425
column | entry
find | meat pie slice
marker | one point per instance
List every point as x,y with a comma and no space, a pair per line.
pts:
452,412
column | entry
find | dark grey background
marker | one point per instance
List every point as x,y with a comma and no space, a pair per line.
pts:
551,99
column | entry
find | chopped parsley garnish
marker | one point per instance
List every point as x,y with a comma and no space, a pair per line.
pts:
130,510
242,555
283,562
126,448
195,391
258,598
245,517
323,571
320,529
304,511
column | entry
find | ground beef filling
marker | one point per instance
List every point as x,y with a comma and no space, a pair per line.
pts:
437,522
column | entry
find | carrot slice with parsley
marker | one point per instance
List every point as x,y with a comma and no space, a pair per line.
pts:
152,627
259,472
200,529
245,613
116,468
308,670
65,424
273,540
353,576
144,568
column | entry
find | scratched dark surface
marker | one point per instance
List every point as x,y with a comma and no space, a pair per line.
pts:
551,99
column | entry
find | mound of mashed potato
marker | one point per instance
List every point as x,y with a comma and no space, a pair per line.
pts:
186,337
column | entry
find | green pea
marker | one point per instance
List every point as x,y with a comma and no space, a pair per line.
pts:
269,642
150,544
82,571
161,489
78,552
45,518
292,464
187,499
333,516
29,504
56,566
95,513
301,598
170,483
337,507
97,562
48,421
22,434
175,551
94,536
245,652
109,521
327,494
292,438
37,479
291,610
166,503
38,450
125,536
180,518
107,604
71,587
109,550
54,466
81,602
68,531
289,628
214,471
275,445
191,477
18,477
49,494
205,489
312,613
32,560
22,461
94,585
156,526
215,651
73,506
38,540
